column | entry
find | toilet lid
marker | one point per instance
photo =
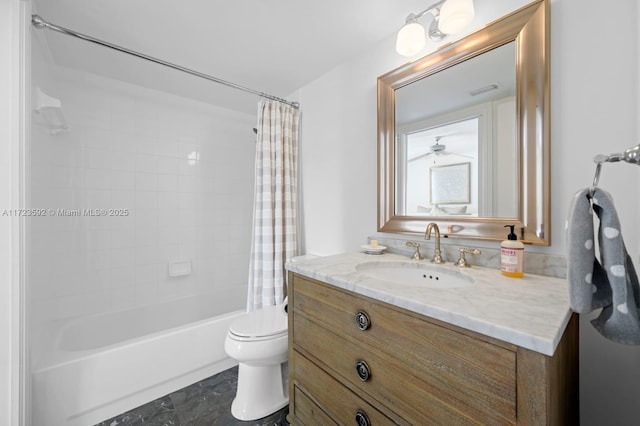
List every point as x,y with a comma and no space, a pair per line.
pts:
270,321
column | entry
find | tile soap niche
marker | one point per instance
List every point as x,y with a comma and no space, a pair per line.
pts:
180,268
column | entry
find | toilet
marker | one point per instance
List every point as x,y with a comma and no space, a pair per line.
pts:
258,341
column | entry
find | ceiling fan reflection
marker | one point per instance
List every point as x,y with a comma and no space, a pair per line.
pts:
441,149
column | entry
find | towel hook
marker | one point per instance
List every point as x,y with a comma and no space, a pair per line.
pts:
598,159
631,156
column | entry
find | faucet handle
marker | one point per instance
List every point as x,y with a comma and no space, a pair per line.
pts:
462,261
416,254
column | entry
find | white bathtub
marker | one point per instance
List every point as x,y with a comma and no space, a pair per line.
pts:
104,365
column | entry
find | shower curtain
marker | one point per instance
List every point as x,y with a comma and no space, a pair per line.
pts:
275,203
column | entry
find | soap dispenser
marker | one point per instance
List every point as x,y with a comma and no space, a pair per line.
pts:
512,255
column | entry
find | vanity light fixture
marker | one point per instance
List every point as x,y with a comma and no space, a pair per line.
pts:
449,17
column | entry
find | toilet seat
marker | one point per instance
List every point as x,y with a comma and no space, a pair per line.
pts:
267,323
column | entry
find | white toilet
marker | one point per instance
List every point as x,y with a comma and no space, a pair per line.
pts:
258,341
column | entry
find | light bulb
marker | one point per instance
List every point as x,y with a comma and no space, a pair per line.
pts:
455,15
410,39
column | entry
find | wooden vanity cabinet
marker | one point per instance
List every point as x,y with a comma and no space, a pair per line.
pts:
354,360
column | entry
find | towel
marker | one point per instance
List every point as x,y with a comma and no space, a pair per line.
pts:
611,282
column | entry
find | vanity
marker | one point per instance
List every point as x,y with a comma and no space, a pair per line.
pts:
462,347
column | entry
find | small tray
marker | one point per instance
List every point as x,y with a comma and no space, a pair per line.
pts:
369,249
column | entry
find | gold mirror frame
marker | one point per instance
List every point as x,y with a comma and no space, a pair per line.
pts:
529,28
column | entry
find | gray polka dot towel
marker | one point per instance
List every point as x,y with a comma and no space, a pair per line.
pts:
610,282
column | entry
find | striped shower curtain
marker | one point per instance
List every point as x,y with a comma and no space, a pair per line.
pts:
275,203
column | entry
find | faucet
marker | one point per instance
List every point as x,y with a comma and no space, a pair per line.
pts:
416,253
437,256
462,261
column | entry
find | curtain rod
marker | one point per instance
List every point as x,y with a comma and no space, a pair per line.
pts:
40,23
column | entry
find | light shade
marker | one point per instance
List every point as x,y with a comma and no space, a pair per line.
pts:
410,39
455,15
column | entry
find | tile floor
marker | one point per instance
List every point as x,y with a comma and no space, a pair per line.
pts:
206,403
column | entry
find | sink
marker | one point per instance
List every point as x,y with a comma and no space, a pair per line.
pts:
415,274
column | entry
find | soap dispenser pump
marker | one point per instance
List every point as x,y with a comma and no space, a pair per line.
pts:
512,255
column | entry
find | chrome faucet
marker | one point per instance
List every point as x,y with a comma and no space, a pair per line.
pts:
437,256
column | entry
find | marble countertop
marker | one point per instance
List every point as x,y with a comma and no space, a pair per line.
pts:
531,312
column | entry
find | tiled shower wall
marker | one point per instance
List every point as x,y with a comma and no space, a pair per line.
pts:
179,172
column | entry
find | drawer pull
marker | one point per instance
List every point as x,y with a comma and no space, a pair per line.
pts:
362,419
362,320
363,370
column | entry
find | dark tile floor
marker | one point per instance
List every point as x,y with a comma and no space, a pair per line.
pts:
206,403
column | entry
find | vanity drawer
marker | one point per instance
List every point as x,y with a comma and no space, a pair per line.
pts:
406,389
331,400
307,412
451,373
335,307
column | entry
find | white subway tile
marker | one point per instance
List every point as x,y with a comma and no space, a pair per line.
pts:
167,148
147,273
123,257
146,182
187,167
187,184
168,235
96,198
146,293
122,160
167,289
123,141
187,150
186,219
187,200
146,236
122,199
168,183
187,250
123,277
168,200
98,260
123,237
146,163
122,180
168,165
98,239
146,200
123,298
146,219
147,255
168,253
168,218
95,158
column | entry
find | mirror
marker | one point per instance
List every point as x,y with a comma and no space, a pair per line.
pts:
463,135
472,123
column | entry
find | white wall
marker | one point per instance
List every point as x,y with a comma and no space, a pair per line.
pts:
181,169
10,84
594,108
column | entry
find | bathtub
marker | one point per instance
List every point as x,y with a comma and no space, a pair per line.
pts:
104,365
